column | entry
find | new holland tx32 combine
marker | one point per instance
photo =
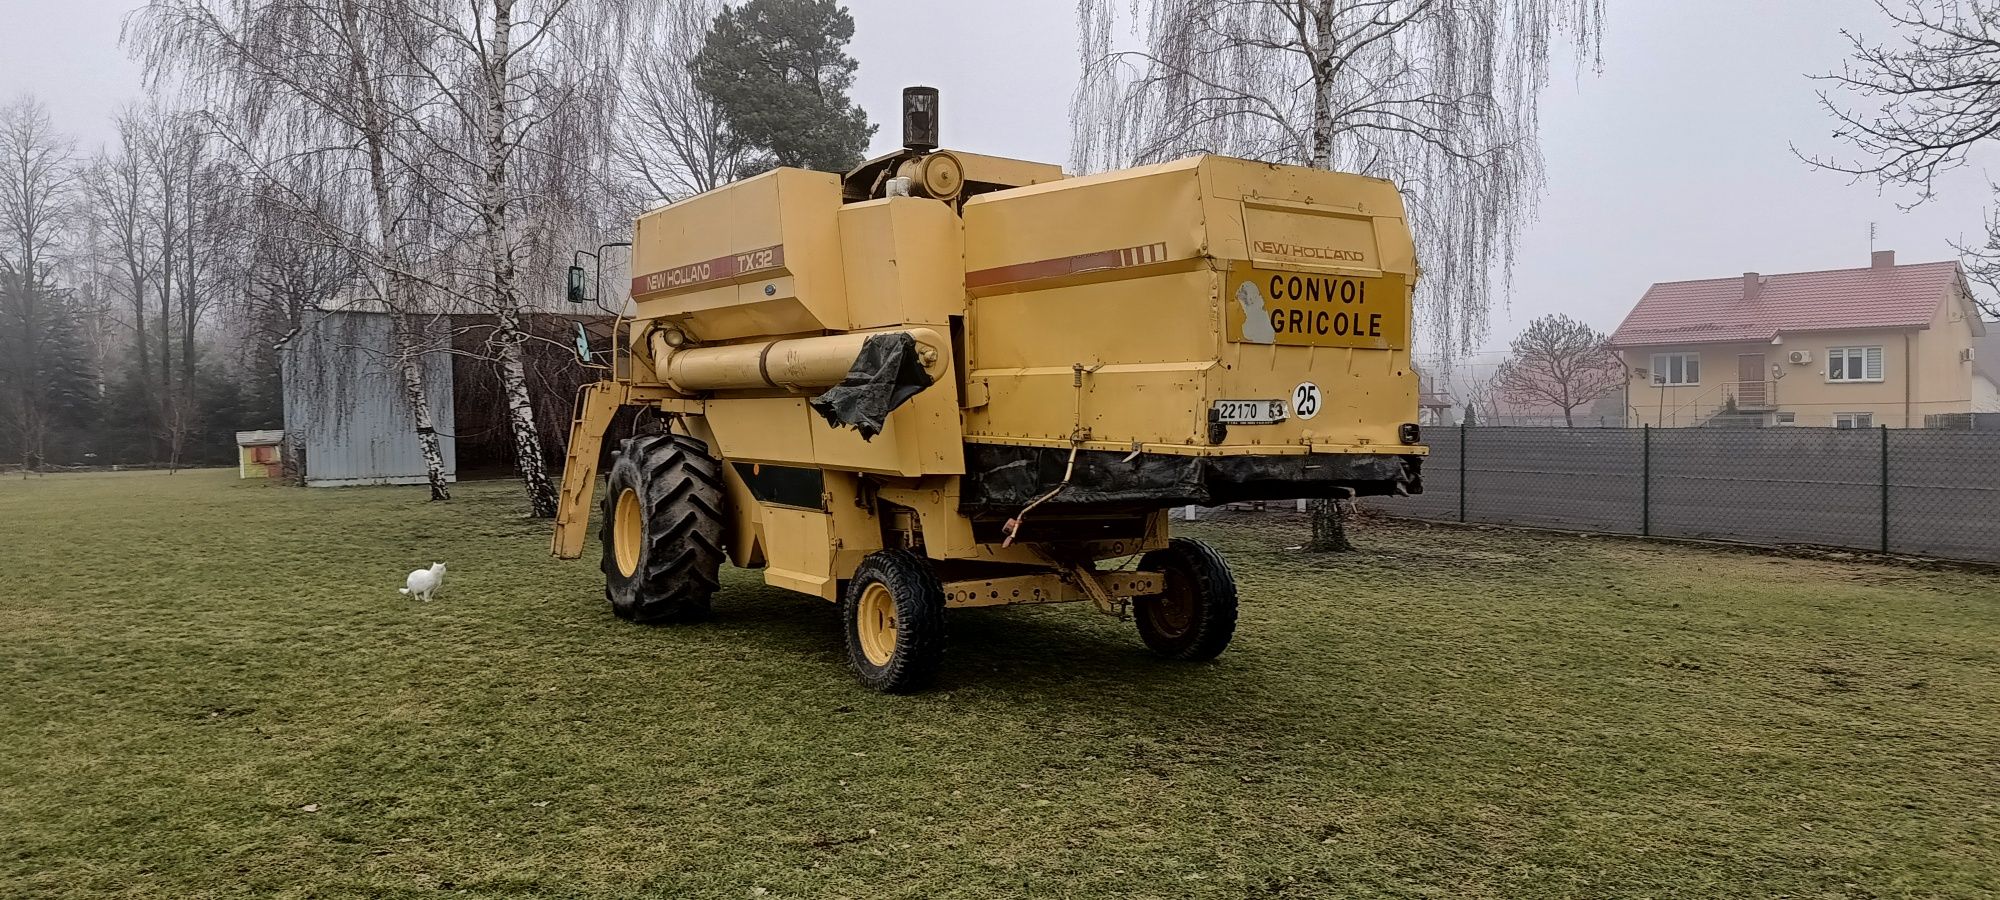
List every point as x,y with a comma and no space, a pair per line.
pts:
948,380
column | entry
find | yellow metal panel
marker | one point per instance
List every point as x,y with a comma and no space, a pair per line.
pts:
1364,394
1015,590
1157,404
999,170
765,430
857,532
1290,235
1061,228
759,256
919,438
905,262
1165,318
799,550
1245,197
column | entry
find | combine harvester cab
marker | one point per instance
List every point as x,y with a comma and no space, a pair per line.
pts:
950,380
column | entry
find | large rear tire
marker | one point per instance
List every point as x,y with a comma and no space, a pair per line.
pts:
662,530
893,611
1194,618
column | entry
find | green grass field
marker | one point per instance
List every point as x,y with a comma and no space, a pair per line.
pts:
213,689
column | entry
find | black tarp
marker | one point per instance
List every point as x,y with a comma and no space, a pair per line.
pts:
1000,479
886,373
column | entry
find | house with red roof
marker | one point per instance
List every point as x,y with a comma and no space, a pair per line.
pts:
1847,348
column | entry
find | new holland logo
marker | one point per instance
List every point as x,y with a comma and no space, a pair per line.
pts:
1301,251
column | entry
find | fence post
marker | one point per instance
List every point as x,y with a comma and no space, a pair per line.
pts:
1461,472
1646,481
1885,488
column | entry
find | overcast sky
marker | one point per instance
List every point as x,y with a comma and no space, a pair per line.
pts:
1674,163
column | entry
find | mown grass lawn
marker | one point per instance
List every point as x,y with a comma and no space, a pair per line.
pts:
213,689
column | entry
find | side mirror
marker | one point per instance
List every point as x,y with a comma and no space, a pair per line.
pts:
578,286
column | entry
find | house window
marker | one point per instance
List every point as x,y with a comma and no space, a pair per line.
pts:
1854,420
1854,364
1788,418
1675,369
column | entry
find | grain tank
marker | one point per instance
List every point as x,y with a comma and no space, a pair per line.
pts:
948,380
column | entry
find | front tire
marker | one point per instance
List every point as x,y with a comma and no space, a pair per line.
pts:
893,612
1194,618
662,530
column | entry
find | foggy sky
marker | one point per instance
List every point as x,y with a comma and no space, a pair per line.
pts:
1675,163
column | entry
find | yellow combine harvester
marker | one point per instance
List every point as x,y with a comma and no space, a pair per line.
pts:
949,380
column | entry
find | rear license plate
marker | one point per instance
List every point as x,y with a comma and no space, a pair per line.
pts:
1249,412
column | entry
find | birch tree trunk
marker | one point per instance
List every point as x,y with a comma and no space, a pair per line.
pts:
521,417
410,364
392,275
1329,528
507,334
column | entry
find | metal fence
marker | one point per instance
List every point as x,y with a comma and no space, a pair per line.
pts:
1923,492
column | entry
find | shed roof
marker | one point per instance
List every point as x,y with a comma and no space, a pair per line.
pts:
1717,310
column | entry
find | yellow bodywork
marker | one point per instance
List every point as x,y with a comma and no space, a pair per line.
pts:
1119,313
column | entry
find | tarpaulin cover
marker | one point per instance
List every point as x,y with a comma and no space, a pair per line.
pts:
885,374
1000,479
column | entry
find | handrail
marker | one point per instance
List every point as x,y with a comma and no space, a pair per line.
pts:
1709,403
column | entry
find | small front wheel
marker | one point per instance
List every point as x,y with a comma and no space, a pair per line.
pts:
893,610
1194,618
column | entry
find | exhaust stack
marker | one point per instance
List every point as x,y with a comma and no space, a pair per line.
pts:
920,118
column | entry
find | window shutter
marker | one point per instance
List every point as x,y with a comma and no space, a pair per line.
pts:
1874,371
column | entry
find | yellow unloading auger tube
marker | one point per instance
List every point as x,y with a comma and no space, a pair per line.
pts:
793,364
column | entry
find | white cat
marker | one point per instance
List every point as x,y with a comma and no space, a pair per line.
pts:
423,582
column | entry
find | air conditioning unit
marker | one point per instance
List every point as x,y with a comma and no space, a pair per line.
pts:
1801,357
1968,354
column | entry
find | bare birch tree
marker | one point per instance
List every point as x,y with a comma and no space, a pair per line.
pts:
1440,96
670,139
512,87
1919,107
311,74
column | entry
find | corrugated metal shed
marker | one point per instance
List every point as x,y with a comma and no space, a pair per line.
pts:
345,406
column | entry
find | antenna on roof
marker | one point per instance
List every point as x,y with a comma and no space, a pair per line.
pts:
1871,237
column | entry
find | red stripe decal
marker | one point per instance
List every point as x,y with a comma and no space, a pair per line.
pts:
1124,257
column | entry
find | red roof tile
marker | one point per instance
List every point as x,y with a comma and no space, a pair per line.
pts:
1714,310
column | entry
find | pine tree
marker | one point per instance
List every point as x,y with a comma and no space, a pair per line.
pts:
778,72
47,394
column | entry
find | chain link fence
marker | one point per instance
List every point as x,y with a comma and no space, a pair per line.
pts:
1921,492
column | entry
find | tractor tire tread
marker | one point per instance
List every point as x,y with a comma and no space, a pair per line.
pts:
920,621
680,562
1215,600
